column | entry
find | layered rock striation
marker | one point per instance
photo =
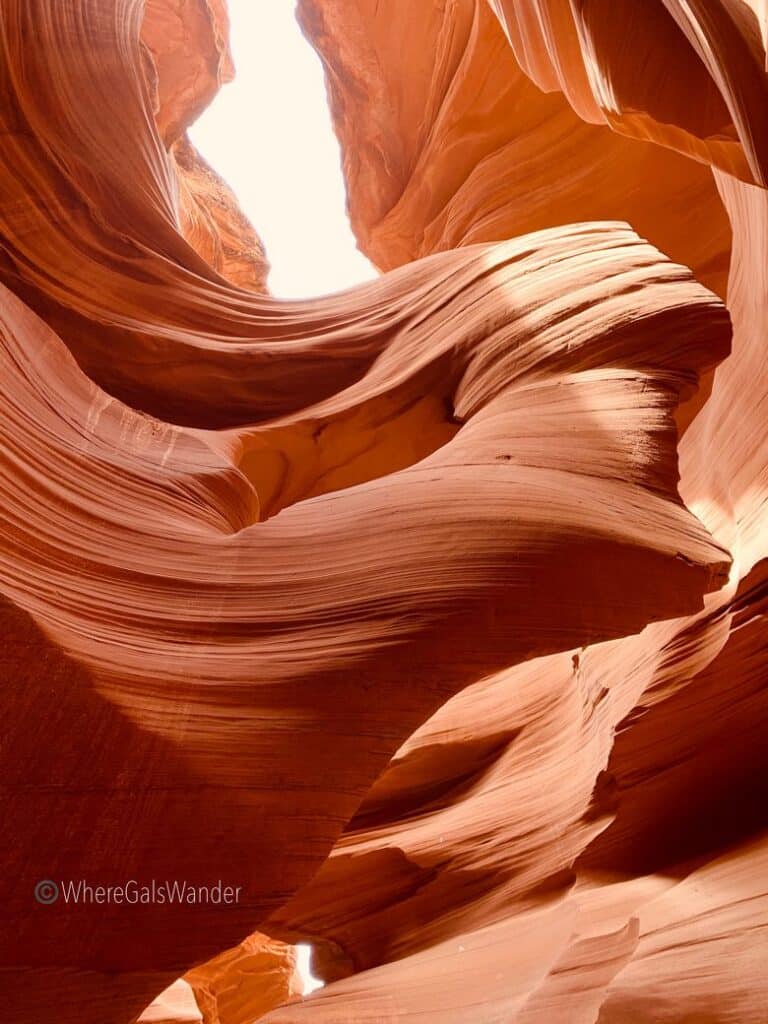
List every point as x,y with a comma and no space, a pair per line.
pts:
430,614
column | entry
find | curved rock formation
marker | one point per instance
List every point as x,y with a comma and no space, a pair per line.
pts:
429,615
481,815
470,150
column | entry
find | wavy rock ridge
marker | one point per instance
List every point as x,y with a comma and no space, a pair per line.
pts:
429,614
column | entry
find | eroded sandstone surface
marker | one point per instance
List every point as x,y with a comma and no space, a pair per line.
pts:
430,614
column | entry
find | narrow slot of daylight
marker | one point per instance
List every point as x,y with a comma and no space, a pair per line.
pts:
269,134
304,969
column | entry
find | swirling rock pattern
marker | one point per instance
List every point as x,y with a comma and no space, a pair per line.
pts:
429,614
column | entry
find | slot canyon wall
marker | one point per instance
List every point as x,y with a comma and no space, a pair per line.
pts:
430,614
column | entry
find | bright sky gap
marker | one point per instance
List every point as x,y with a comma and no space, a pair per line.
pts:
269,134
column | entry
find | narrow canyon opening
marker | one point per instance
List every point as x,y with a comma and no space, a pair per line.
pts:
244,983
304,969
269,134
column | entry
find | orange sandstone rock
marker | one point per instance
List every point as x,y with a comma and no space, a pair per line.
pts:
242,984
408,611
471,150
657,770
